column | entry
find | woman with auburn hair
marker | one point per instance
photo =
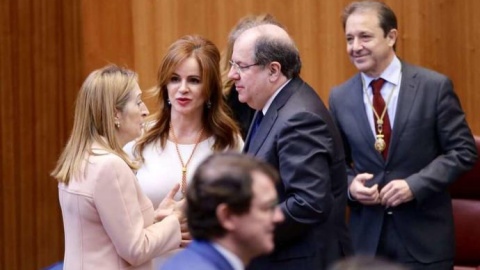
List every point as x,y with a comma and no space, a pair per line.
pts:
109,223
193,120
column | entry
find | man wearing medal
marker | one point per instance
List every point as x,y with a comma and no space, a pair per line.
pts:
406,141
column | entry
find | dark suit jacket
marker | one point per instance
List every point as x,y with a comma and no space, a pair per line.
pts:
199,255
431,145
298,137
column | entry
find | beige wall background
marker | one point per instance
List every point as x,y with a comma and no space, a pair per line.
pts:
47,48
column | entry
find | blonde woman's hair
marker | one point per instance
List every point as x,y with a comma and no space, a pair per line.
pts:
104,92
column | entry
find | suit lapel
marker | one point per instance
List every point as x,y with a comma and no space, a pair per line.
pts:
263,130
406,97
360,115
272,114
249,133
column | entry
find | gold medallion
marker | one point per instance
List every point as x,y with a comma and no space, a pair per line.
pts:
380,144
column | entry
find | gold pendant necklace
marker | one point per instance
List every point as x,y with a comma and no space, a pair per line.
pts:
380,143
184,165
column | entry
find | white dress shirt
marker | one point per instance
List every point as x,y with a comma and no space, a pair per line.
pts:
233,259
270,100
392,76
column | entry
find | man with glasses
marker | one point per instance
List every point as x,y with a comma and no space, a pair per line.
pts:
293,131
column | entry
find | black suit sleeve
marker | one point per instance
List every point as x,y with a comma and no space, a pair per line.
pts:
348,155
304,146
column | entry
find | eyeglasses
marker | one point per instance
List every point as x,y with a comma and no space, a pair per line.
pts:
239,68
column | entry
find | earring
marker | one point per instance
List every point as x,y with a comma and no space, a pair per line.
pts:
168,102
209,104
117,124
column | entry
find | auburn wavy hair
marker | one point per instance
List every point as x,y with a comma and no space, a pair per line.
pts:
216,117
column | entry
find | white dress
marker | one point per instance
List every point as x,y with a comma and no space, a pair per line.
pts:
162,169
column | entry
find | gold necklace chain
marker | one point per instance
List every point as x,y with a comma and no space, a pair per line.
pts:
380,143
184,165
379,118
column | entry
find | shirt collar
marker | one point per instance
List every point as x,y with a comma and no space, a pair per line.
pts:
391,74
270,100
233,259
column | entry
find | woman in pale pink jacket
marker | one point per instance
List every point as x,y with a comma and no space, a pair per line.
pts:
109,223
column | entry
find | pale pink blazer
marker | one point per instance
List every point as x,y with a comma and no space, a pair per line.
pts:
108,221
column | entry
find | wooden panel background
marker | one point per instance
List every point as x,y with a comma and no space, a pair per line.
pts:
439,34
47,48
40,73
